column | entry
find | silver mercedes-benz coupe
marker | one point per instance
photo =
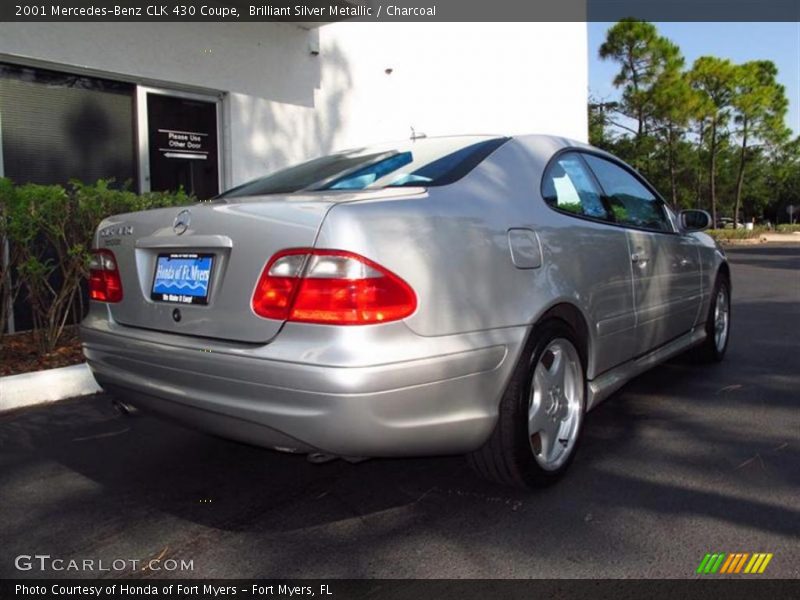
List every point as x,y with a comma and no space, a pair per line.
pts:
474,295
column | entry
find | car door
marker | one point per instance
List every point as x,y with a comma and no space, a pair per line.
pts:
665,264
590,257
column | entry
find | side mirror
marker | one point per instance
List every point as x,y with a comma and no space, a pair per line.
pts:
694,220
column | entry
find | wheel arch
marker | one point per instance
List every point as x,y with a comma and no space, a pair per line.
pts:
570,314
501,457
724,269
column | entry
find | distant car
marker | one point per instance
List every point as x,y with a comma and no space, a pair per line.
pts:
724,223
449,295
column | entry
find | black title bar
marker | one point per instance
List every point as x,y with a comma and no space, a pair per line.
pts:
733,588
326,11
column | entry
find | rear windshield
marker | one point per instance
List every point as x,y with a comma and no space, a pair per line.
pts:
421,162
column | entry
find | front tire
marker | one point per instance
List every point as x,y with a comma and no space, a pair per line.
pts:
718,322
541,414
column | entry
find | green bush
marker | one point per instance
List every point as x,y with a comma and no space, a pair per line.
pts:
735,234
49,229
786,228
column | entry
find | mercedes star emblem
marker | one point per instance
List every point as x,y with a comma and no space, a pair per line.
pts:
182,221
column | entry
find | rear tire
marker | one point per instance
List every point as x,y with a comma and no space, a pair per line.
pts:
718,323
541,414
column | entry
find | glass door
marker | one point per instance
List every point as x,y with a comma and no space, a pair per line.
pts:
182,144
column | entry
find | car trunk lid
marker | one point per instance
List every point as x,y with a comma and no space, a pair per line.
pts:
239,238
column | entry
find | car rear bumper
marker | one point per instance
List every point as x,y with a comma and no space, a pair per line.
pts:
310,390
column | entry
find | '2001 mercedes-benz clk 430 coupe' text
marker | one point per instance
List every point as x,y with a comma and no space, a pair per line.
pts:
468,294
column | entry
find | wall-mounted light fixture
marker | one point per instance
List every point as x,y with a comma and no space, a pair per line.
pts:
313,45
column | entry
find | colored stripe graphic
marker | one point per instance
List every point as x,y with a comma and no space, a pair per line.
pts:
758,563
711,563
703,563
718,563
741,562
754,563
764,564
727,564
734,562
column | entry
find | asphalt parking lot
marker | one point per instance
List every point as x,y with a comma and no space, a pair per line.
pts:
682,461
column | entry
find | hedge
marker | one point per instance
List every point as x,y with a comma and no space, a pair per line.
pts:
49,230
736,234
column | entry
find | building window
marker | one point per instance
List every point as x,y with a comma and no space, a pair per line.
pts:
56,127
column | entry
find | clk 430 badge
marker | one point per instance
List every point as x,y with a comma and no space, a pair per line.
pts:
113,230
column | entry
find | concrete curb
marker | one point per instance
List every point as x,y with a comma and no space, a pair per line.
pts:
792,238
40,387
775,238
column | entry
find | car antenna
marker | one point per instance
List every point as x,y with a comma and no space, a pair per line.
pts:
416,136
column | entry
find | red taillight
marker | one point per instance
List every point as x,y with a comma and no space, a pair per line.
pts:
105,284
332,287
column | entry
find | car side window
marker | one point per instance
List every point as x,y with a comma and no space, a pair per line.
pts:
568,186
630,201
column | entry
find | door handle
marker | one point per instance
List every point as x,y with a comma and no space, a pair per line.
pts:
639,257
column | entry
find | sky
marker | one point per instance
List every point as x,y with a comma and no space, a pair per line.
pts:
739,42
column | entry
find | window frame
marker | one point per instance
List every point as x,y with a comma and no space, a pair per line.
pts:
142,131
553,160
642,181
581,152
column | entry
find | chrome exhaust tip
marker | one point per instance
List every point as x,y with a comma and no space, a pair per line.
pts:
125,409
319,458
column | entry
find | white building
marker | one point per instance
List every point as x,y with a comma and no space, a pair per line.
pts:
210,105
